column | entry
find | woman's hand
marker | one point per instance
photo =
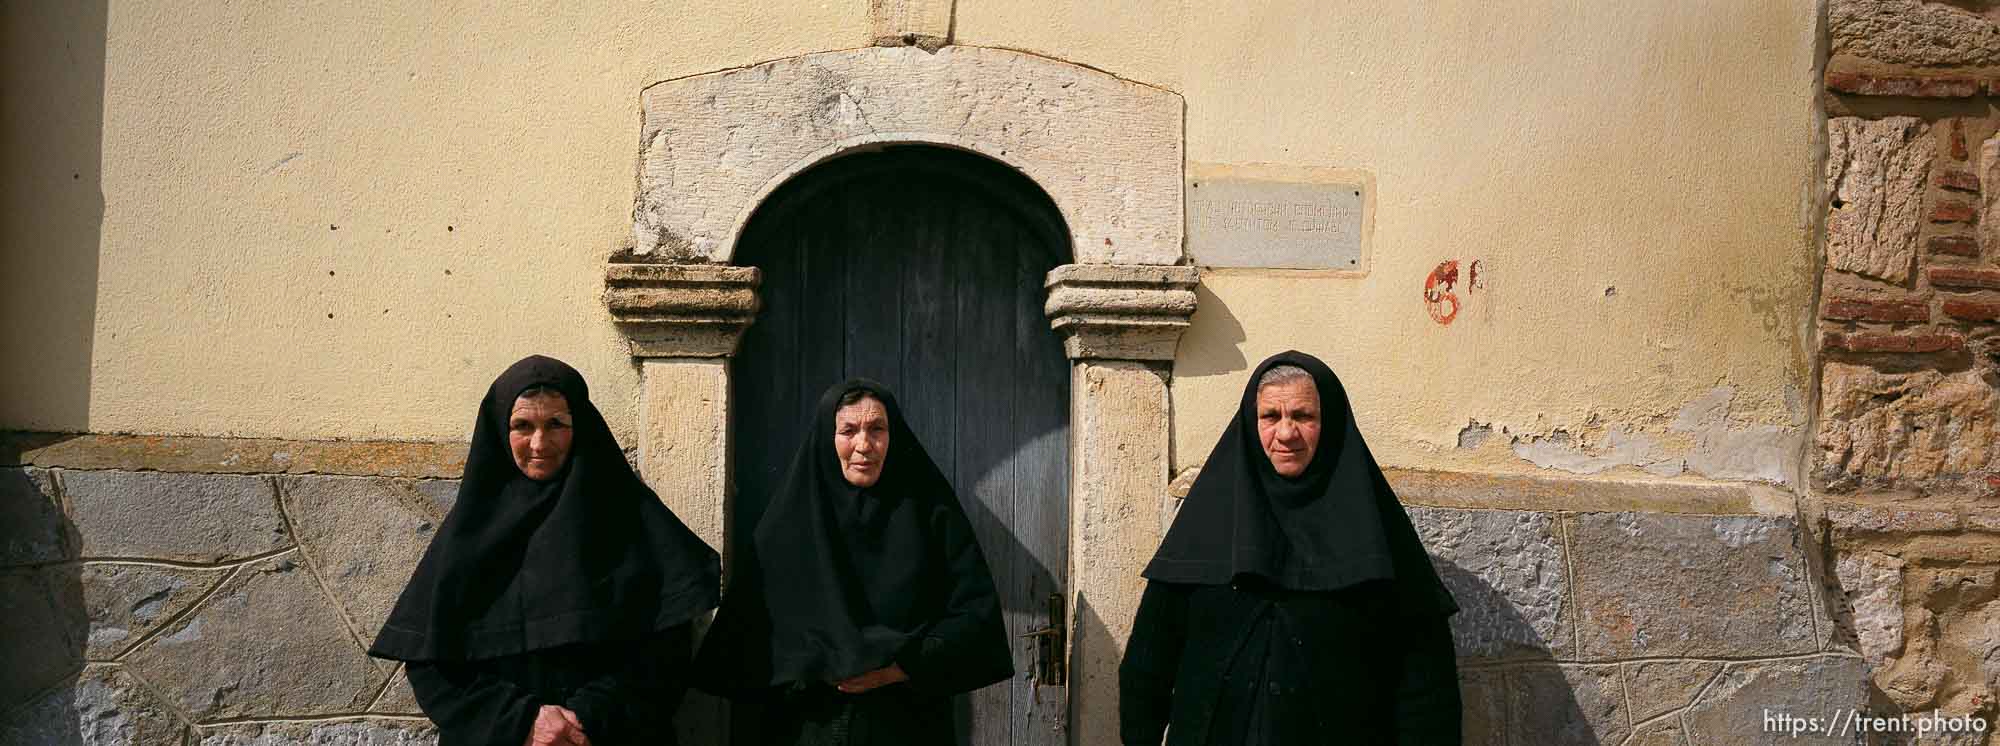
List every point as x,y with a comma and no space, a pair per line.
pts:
556,726
873,679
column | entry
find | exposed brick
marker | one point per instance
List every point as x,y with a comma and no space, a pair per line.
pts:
1958,151
1870,85
1860,84
1841,82
1893,342
1964,181
1973,310
1869,309
1949,211
1954,245
1948,87
1965,277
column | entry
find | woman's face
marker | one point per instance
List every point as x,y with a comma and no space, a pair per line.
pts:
861,440
1288,425
539,432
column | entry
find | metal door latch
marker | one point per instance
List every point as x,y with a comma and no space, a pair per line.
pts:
1051,646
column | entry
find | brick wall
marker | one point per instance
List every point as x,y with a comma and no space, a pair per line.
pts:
1907,465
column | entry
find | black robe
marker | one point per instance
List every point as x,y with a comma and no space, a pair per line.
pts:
1266,666
1291,611
576,591
624,692
841,581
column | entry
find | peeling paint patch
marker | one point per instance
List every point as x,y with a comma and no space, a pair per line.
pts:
1757,452
1721,448
1563,450
1711,407
1474,434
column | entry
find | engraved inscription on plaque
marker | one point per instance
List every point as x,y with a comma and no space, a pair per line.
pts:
1276,224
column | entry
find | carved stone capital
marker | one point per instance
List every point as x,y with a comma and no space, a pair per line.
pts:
1120,311
681,310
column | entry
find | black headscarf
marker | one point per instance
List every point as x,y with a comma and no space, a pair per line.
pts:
1336,525
521,565
842,580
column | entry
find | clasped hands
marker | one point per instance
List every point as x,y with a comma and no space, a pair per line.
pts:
557,726
880,677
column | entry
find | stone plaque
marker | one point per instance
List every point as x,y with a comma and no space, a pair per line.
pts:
1245,222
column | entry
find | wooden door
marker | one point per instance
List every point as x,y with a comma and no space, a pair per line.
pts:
923,268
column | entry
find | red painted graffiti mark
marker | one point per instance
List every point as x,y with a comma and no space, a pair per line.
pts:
1472,279
1438,298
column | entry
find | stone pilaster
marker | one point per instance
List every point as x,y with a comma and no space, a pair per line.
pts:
1120,311
681,310
1120,325
684,321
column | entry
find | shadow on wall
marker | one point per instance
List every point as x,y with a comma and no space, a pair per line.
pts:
1213,345
1869,592
41,603
1521,697
51,134
1853,605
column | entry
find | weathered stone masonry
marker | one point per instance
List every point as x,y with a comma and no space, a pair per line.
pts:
1606,625
1904,469
227,608
167,608
215,591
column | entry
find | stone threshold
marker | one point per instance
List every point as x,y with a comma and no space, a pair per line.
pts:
1474,490
1507,664
1485,491
211,455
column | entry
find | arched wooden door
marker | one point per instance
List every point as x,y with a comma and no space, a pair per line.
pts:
923,268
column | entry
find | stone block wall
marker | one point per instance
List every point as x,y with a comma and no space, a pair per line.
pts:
1906,465
162,607
1653,627
1596,611
150,608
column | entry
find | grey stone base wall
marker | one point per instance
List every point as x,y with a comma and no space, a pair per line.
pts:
172,608
214,609
1645,628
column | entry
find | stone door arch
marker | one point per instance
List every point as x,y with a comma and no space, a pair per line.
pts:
921,267
1107,152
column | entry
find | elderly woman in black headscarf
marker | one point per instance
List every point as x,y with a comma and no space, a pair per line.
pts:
864,603
552,607
1291,602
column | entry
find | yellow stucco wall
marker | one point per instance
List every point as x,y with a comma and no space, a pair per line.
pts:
476,161
1664,150
478,165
